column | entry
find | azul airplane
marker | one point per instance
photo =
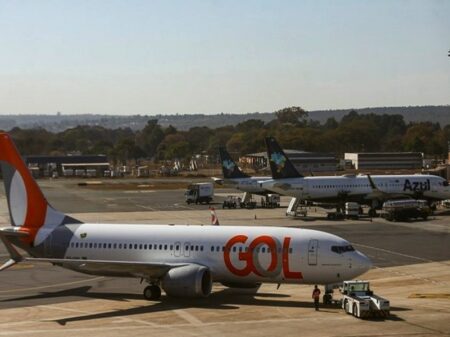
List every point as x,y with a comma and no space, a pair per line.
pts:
234,177
365,189
183,260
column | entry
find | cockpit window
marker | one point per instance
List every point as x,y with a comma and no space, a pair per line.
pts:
342,249
445,183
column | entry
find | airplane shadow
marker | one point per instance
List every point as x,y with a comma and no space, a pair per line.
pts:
224,299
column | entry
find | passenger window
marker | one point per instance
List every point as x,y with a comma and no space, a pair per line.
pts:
120,246
165,247
177,248
234,249
212,248
109,246
160,247
130,246
201,248
140,246
171,247
186,248
150,247
90,245
263,249
76,245
115,245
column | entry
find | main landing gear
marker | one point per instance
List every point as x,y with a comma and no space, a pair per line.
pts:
152,292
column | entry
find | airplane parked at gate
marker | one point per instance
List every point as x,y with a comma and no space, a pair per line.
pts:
183,260
234,177
364,189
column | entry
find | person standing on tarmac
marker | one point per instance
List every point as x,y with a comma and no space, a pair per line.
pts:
316,297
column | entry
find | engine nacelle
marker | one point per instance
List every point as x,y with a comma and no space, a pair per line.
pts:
188,281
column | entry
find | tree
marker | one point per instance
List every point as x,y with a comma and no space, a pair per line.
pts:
150,137
294,115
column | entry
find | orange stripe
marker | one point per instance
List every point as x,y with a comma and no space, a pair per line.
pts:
36,203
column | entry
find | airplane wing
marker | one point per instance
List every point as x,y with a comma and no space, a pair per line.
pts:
378,194
133,268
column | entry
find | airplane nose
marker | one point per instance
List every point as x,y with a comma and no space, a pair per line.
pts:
361,262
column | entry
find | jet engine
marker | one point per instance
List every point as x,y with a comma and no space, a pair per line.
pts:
187,281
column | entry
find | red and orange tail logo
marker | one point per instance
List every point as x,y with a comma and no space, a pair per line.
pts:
28,207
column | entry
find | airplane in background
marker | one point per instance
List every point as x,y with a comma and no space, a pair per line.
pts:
183,260
364,189
234,177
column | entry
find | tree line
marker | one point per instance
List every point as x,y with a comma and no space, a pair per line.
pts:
292,127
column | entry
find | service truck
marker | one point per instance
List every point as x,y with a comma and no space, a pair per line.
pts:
404,209
199,193
358,300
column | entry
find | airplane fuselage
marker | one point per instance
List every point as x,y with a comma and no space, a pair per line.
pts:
249,185
232,254
358,187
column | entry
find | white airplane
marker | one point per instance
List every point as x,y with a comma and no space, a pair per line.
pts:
183,260
234,177
365,189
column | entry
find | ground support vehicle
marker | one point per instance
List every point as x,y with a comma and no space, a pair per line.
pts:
270,201
199,193
230,202
250,204
352,210
358,300
335,215
400,210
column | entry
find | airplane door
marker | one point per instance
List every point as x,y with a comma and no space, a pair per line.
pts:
186,250
312,252
177,249
305,190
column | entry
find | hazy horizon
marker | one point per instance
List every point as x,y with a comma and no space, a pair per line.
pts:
199,57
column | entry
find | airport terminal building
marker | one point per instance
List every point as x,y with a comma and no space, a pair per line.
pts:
305,162
386,160
68,166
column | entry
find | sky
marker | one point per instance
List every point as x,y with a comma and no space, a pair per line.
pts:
166,57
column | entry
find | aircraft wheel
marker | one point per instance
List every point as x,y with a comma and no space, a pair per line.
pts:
152,292
355,310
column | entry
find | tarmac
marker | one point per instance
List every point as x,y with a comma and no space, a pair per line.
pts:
411,269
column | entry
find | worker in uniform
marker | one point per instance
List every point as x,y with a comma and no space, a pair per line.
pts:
316,297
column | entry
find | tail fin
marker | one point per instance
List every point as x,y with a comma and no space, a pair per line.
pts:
229,167
28,208
280,165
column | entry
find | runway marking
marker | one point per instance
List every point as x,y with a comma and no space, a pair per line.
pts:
162,326
188,317
394,253
119,321
52,285
147,207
